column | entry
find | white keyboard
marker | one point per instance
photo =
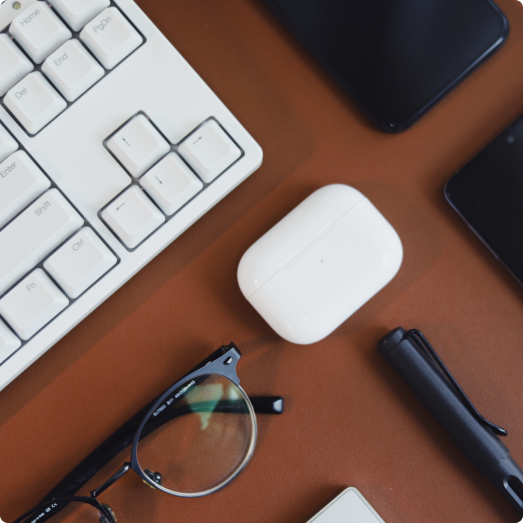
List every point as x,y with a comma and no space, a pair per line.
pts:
110,147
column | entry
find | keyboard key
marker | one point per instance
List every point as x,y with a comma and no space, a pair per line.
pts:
209,151
8,144
132,216
138,145
34,102
72,69
80,262
39,31
21,182
110,37
13,66
34,234
78,12
8,342
33,303
171,184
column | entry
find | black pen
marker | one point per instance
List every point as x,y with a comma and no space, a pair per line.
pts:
411,355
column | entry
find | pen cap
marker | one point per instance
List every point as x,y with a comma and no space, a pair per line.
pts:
427,381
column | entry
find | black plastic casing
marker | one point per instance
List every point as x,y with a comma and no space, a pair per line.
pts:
479,443
396,58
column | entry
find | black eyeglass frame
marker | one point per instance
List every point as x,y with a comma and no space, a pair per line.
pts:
223,363
224,366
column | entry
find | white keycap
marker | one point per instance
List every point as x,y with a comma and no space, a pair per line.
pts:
110,37
171,184
209,151
34,102
8,144
39,31
72,69
8,342
80,262
34,234
13,66
33,303
132,216
21,182
78,12
138,145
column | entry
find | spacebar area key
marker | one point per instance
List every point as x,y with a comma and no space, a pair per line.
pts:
34,234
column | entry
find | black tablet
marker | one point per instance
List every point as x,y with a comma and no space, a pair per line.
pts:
488,194
396,58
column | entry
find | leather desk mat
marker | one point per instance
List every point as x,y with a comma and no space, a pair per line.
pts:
349,420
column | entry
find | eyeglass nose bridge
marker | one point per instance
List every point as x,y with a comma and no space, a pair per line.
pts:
115,477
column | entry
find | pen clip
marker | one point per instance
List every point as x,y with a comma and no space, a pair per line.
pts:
424,344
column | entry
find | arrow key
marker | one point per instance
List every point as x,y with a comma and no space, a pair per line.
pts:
132,216
171,184
138,145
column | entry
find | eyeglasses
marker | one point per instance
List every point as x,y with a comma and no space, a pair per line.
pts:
191,441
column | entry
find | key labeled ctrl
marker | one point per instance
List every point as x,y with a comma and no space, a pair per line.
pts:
80,262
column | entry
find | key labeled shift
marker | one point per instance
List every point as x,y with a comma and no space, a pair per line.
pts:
34,234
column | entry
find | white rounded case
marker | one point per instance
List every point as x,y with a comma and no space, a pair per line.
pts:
320,264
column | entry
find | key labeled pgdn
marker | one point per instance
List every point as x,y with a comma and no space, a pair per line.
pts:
110,37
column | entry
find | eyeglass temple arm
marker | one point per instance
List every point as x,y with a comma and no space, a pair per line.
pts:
117,442
124,436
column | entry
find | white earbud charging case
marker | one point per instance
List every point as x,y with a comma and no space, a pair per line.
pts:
320,264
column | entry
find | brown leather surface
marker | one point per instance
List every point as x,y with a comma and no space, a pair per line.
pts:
349,420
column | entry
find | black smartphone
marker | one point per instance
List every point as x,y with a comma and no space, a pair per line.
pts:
488,194
396,58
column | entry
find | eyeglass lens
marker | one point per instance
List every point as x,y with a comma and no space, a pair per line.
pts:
199,437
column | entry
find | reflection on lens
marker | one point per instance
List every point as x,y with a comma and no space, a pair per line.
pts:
67,512
200,437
